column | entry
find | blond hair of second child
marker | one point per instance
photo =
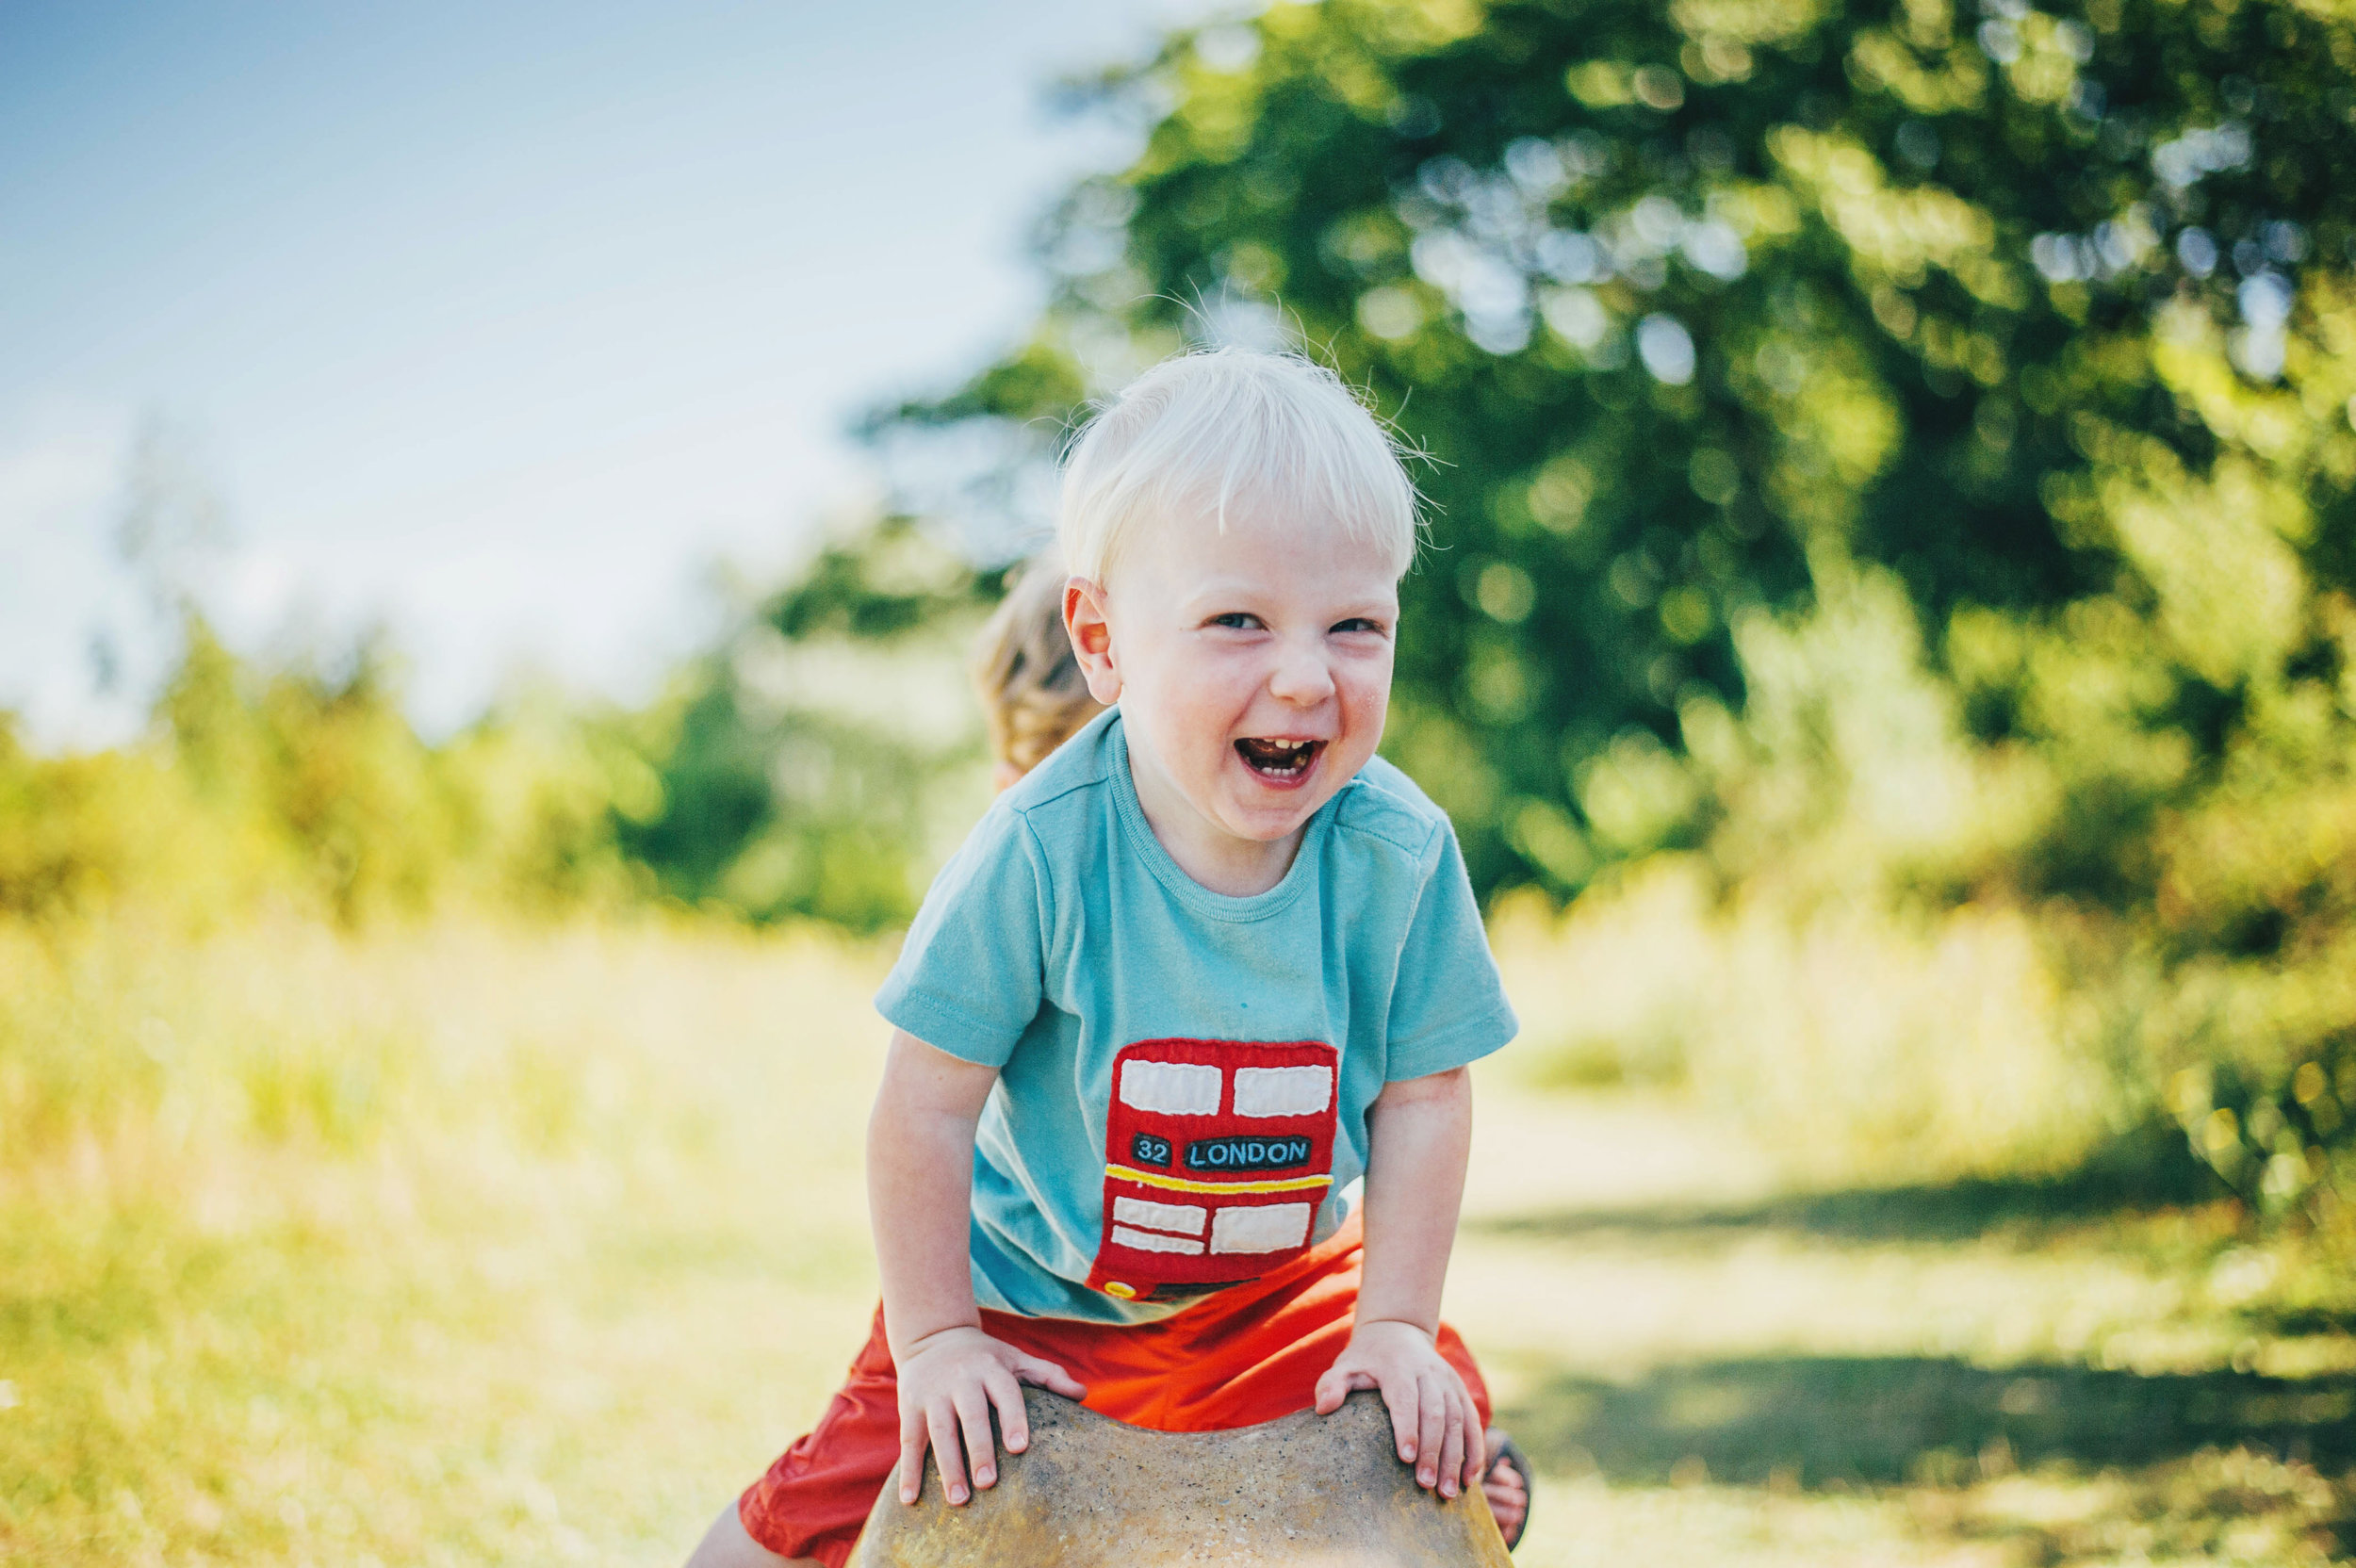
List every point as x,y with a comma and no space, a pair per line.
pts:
1175,1114
1034,696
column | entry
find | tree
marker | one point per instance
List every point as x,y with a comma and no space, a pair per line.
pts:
1692,304
815,756
2036,325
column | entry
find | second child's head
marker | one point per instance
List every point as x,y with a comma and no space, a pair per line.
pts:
1237,525
1032,692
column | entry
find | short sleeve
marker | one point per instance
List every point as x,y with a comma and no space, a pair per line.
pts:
969,978
1447,1006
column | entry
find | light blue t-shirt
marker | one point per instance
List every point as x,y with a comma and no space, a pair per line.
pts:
1183,1076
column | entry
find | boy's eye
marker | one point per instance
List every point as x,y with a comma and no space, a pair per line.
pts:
1361,623
1239,620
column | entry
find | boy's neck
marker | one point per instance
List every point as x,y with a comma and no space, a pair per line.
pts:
1219,860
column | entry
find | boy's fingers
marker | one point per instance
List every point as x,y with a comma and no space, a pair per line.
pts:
981,1448
911,1458
942,1422
1453,1477
1047,1375
1430,1430
1335,1386
1400,1398
1014,1422
1476,1450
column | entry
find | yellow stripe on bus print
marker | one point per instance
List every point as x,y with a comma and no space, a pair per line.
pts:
1179,1184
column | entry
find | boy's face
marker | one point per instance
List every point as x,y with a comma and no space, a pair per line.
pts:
1254,671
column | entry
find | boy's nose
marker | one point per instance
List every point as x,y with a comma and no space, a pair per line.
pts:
1301,678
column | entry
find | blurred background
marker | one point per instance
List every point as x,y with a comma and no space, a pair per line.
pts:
494,506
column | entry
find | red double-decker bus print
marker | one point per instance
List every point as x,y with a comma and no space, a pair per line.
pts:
1217,1155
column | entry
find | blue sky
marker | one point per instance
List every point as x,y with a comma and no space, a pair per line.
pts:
497,324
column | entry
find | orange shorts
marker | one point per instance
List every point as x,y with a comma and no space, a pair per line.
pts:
1250,1353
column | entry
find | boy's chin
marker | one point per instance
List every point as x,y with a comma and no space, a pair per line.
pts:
1259,829
1252,813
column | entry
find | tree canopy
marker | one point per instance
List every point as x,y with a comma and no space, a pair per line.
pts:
2044,311
1886,445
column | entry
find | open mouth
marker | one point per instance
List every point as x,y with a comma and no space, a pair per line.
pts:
1279,762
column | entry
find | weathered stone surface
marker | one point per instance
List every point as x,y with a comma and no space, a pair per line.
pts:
1306,1491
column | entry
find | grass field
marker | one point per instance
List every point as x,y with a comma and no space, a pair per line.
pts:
482,1244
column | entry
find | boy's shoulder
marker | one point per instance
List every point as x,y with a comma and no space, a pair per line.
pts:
1385,805
1068,776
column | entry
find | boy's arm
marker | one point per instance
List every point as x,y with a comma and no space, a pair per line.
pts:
1420,1134
919,1177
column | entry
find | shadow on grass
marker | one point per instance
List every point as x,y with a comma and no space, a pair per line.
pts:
1955,1211
2307,1319
1879,1420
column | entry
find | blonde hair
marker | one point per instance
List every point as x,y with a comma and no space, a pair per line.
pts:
1202,433
1032,691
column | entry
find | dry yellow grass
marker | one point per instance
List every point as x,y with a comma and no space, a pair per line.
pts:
483,1243
464,1245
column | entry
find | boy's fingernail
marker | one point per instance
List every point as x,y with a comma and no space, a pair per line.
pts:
983,1477
957,1494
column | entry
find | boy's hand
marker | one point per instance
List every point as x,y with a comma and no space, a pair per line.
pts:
1431,1414
949,1380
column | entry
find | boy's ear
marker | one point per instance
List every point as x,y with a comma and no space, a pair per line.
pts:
1092,633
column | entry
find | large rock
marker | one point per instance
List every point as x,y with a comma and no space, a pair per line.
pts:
1306,1491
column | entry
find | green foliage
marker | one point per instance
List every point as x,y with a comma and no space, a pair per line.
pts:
1685,301
821,752
307,785
814,766
2019,343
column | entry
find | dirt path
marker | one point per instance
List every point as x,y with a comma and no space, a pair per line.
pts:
1708,1369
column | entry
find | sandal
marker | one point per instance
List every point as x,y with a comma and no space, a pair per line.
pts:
1509,1452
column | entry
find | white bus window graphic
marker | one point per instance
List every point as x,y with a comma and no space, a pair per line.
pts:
1283,1090
1150,1241
1185,1219
1262,1228
1170,1089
